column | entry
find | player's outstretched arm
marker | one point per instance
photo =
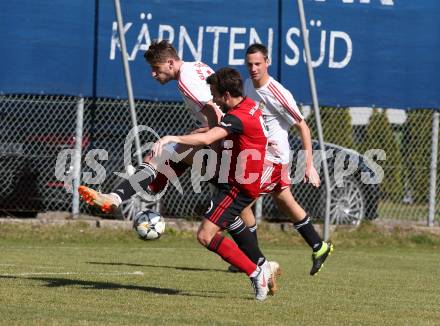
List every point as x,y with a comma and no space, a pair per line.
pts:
199,139
311,175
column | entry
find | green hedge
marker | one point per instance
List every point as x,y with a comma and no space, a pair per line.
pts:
379,135
408,152
336,124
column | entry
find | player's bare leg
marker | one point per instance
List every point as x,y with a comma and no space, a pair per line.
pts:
248,217
288,205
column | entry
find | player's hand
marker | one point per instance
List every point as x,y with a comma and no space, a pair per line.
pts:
158,146
311,176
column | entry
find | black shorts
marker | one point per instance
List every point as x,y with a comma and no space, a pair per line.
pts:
226,205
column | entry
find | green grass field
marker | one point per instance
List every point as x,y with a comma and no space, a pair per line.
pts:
78,275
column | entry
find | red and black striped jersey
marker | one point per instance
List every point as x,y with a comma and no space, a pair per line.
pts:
246,144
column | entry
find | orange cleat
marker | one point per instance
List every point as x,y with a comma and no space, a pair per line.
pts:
105,202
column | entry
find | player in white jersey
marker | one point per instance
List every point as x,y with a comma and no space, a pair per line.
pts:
280,113
154,173
193,88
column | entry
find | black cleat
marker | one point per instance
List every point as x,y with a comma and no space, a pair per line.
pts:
319,257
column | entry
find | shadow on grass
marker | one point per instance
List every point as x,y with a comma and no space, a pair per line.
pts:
191,269
93,285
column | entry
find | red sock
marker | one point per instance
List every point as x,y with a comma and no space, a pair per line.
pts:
230,252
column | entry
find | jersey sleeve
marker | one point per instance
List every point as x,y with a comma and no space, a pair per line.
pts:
193,86
285,104
231,124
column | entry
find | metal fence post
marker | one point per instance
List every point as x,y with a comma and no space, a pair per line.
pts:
77,157
128,83
305,36
433,170
129,88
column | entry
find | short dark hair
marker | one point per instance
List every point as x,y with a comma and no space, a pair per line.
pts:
227,80
258,47
159,52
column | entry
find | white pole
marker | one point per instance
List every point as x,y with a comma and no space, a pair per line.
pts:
77,156
305,36
433,172
128,80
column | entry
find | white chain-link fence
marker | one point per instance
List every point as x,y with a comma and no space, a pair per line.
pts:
406,138
34,129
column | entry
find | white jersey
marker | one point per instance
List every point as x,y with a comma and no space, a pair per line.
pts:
280,112
194,89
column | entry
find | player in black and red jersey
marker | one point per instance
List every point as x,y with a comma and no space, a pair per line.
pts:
244,134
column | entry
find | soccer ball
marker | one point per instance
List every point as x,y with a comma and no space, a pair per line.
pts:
148,225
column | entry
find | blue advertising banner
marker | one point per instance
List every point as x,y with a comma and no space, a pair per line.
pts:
47,46
211,31
365,52
378,52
